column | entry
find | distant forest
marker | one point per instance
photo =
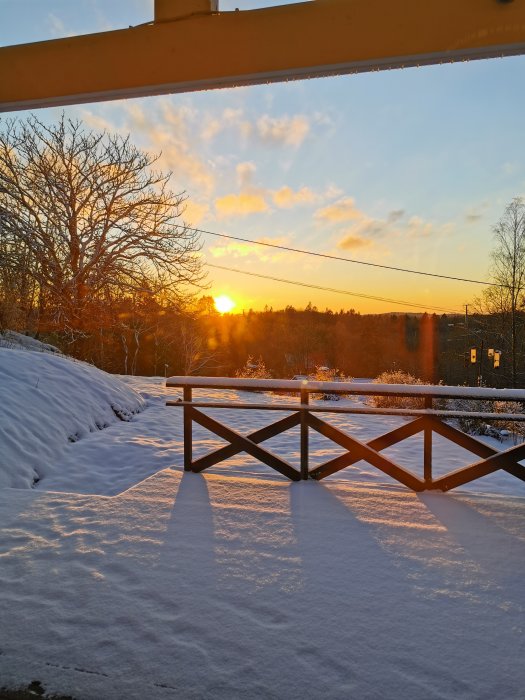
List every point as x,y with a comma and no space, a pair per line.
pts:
150,338
290,341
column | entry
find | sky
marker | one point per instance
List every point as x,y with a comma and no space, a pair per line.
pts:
405,168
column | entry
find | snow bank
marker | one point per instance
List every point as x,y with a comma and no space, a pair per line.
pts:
14,340
48,401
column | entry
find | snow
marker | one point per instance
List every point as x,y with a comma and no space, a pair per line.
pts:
355,388
14,340
121,576
48,402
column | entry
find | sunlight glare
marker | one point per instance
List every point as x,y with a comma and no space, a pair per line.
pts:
224,304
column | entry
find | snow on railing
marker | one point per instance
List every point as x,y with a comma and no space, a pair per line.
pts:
427,420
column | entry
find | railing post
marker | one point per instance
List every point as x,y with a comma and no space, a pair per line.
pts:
427,447
188,437
304,434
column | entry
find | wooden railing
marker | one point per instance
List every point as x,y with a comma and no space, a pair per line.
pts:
432,418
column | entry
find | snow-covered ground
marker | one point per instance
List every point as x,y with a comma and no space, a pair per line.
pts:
47,403
121,576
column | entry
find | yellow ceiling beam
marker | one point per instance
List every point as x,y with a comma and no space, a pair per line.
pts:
205,49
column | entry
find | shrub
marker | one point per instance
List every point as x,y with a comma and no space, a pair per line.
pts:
253,370
515,428
325,374
497,428
397,376
468,424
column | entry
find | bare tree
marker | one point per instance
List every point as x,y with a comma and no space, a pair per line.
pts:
196,355
93,215
506,299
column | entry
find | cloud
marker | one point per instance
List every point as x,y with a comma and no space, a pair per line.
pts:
273,130
96,121
285,198
241,204
395,215
168,132
477,212
245,174
343,209
288,131
352,242
232,249
179,132
238,249
180,117
57,26
418,228
211,128
165,131
254,199
249,200
366,231
472,217
332,192
510,168
228,119
194,212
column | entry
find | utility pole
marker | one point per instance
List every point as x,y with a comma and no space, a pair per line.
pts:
480,365
467,344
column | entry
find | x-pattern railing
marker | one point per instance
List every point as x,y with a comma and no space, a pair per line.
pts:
427,420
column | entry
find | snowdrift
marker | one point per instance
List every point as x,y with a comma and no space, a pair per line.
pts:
47,401
18,341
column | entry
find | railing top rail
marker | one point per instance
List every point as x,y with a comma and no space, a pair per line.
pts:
351,388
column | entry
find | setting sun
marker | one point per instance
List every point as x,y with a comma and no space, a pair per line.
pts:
223,304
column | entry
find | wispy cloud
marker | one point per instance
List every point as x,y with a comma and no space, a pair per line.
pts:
343,209
195,212
273,130
252,198
241,204
352,242
238,249
165,130
510,168
288,131
419,228
214,124
286,197
380,233
57,26
476,212
395,215
245,174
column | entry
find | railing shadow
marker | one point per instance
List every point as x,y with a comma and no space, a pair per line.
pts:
189,535
363,599
386,585
498,554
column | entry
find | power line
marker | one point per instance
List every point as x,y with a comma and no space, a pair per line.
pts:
337,291
349,260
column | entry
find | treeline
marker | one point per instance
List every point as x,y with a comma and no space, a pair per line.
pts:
147,334
434,348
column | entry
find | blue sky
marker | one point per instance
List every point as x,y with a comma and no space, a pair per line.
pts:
409,168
